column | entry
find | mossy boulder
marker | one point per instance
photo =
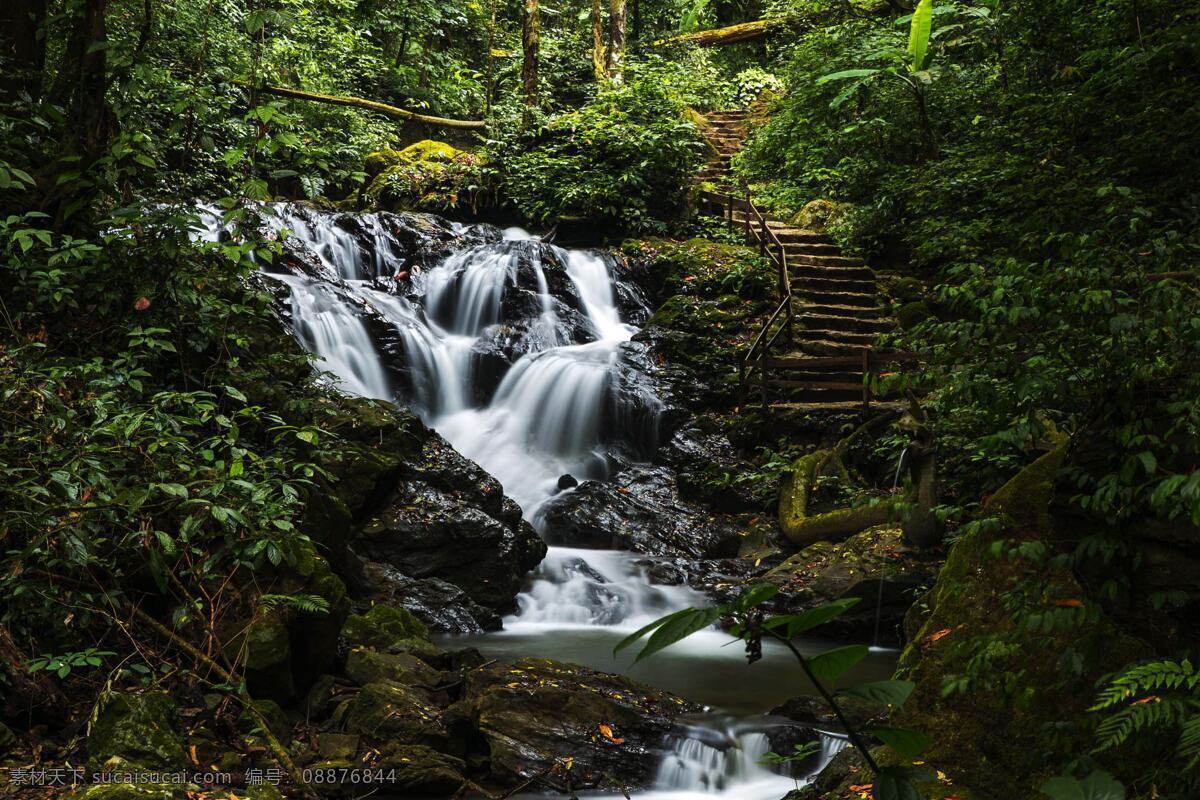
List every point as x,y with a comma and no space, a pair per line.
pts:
139,728
820,215
876,565
382,627
276,720
424,150
369,666
428,175
910,315
989,736
263,647
422,771
536,713
8,740
390,711
338,746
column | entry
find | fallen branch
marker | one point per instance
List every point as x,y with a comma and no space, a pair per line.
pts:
794,520
719,37
370,105
276,747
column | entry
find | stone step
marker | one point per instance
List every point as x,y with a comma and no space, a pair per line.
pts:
831,297
818,348
812,321
834,271
822,284
832,262
859,339
832,309
812,249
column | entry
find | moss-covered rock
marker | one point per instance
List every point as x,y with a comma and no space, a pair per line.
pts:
536,713
989,735
393,712
263,647
139,728
913,314
422,771
821,215
8,739
337,745
382,627
876,565
273,714
369,666
428,175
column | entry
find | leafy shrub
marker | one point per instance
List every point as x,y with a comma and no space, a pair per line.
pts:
623,158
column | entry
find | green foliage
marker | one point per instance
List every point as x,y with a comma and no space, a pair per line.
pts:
623,158
1098,785
63,665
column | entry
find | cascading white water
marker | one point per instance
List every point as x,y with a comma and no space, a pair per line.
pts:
543,421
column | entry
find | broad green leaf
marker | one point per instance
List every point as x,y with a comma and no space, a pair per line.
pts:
640,632
756,595
307,436
1099,785
918,35
885,693
799,623
846,74
679,628
907,743
828,666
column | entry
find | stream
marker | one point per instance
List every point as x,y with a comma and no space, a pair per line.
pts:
516,352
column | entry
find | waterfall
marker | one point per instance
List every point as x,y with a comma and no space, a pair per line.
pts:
549,316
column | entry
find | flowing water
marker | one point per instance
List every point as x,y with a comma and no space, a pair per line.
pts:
550,410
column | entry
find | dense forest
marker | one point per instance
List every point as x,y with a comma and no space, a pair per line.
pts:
417,399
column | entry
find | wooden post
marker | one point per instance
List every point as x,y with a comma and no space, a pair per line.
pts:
866,369
762,371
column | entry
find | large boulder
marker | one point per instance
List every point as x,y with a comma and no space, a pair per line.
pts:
877,566
639,509
449,519
535,714
140,729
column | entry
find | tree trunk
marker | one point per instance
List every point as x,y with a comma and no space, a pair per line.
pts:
597,43
529,48
489,79
616,42
22,50
88,114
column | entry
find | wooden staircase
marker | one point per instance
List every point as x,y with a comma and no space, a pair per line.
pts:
818,348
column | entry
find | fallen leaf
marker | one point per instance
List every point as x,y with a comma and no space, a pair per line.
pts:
607,732
1069,602
142,304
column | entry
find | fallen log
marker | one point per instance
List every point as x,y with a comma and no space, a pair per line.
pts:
370,105
732,34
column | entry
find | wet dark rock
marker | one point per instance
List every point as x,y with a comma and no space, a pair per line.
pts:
813,712
721,579
783,741
534,713
567,482
639,509
875,565
441,605
446,518
421,771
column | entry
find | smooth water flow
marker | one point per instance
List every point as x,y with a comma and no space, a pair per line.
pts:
511,349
